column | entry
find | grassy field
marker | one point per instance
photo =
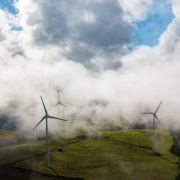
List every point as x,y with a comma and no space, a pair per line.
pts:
112,155
15,153
18,152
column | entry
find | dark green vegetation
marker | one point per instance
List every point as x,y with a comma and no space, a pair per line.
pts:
7,122
9,174
107,155
175,148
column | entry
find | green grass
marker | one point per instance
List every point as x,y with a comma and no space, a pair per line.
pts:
112,155
18,152
9,174
14,153
143,137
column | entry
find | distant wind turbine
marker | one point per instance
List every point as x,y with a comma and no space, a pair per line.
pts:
59,102
46,117
154,117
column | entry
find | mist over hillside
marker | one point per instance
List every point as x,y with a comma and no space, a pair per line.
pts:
85,50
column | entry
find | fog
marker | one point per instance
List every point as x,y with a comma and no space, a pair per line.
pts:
67,46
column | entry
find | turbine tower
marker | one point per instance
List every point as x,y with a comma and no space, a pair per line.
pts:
46,117
154,117
63,125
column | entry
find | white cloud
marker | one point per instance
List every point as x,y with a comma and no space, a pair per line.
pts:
89,17
33,64
4,20
84,27
176,7
170,39
136,9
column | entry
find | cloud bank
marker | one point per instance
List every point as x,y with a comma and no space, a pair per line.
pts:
83,50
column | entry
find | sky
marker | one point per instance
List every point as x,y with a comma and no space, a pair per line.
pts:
110,59
150,29
147,31
8,5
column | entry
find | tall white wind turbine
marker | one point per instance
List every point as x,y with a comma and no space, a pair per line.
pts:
154,117
46,117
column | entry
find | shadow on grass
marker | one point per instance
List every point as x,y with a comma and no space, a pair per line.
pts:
65,178
85,148
178,177
54,171
146,147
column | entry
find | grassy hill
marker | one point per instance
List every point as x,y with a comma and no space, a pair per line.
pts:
8,138
112,155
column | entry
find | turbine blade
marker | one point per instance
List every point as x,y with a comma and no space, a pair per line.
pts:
44,106
147,113
158,120
158,107
56,104
58,95
39,122
56,118
62,104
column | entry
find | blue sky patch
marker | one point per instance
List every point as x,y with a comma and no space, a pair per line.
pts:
16,28
149,30
8,4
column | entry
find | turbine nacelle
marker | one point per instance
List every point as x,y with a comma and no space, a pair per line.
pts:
154,113
47,115
59,103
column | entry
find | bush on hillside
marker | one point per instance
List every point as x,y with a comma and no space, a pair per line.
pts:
175,148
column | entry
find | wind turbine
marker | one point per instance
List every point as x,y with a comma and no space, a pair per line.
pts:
154,117
59,103
46,117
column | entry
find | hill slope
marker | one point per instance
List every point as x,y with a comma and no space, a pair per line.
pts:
111,155
9,138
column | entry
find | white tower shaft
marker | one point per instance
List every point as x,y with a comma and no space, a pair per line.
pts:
47,148
153,151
